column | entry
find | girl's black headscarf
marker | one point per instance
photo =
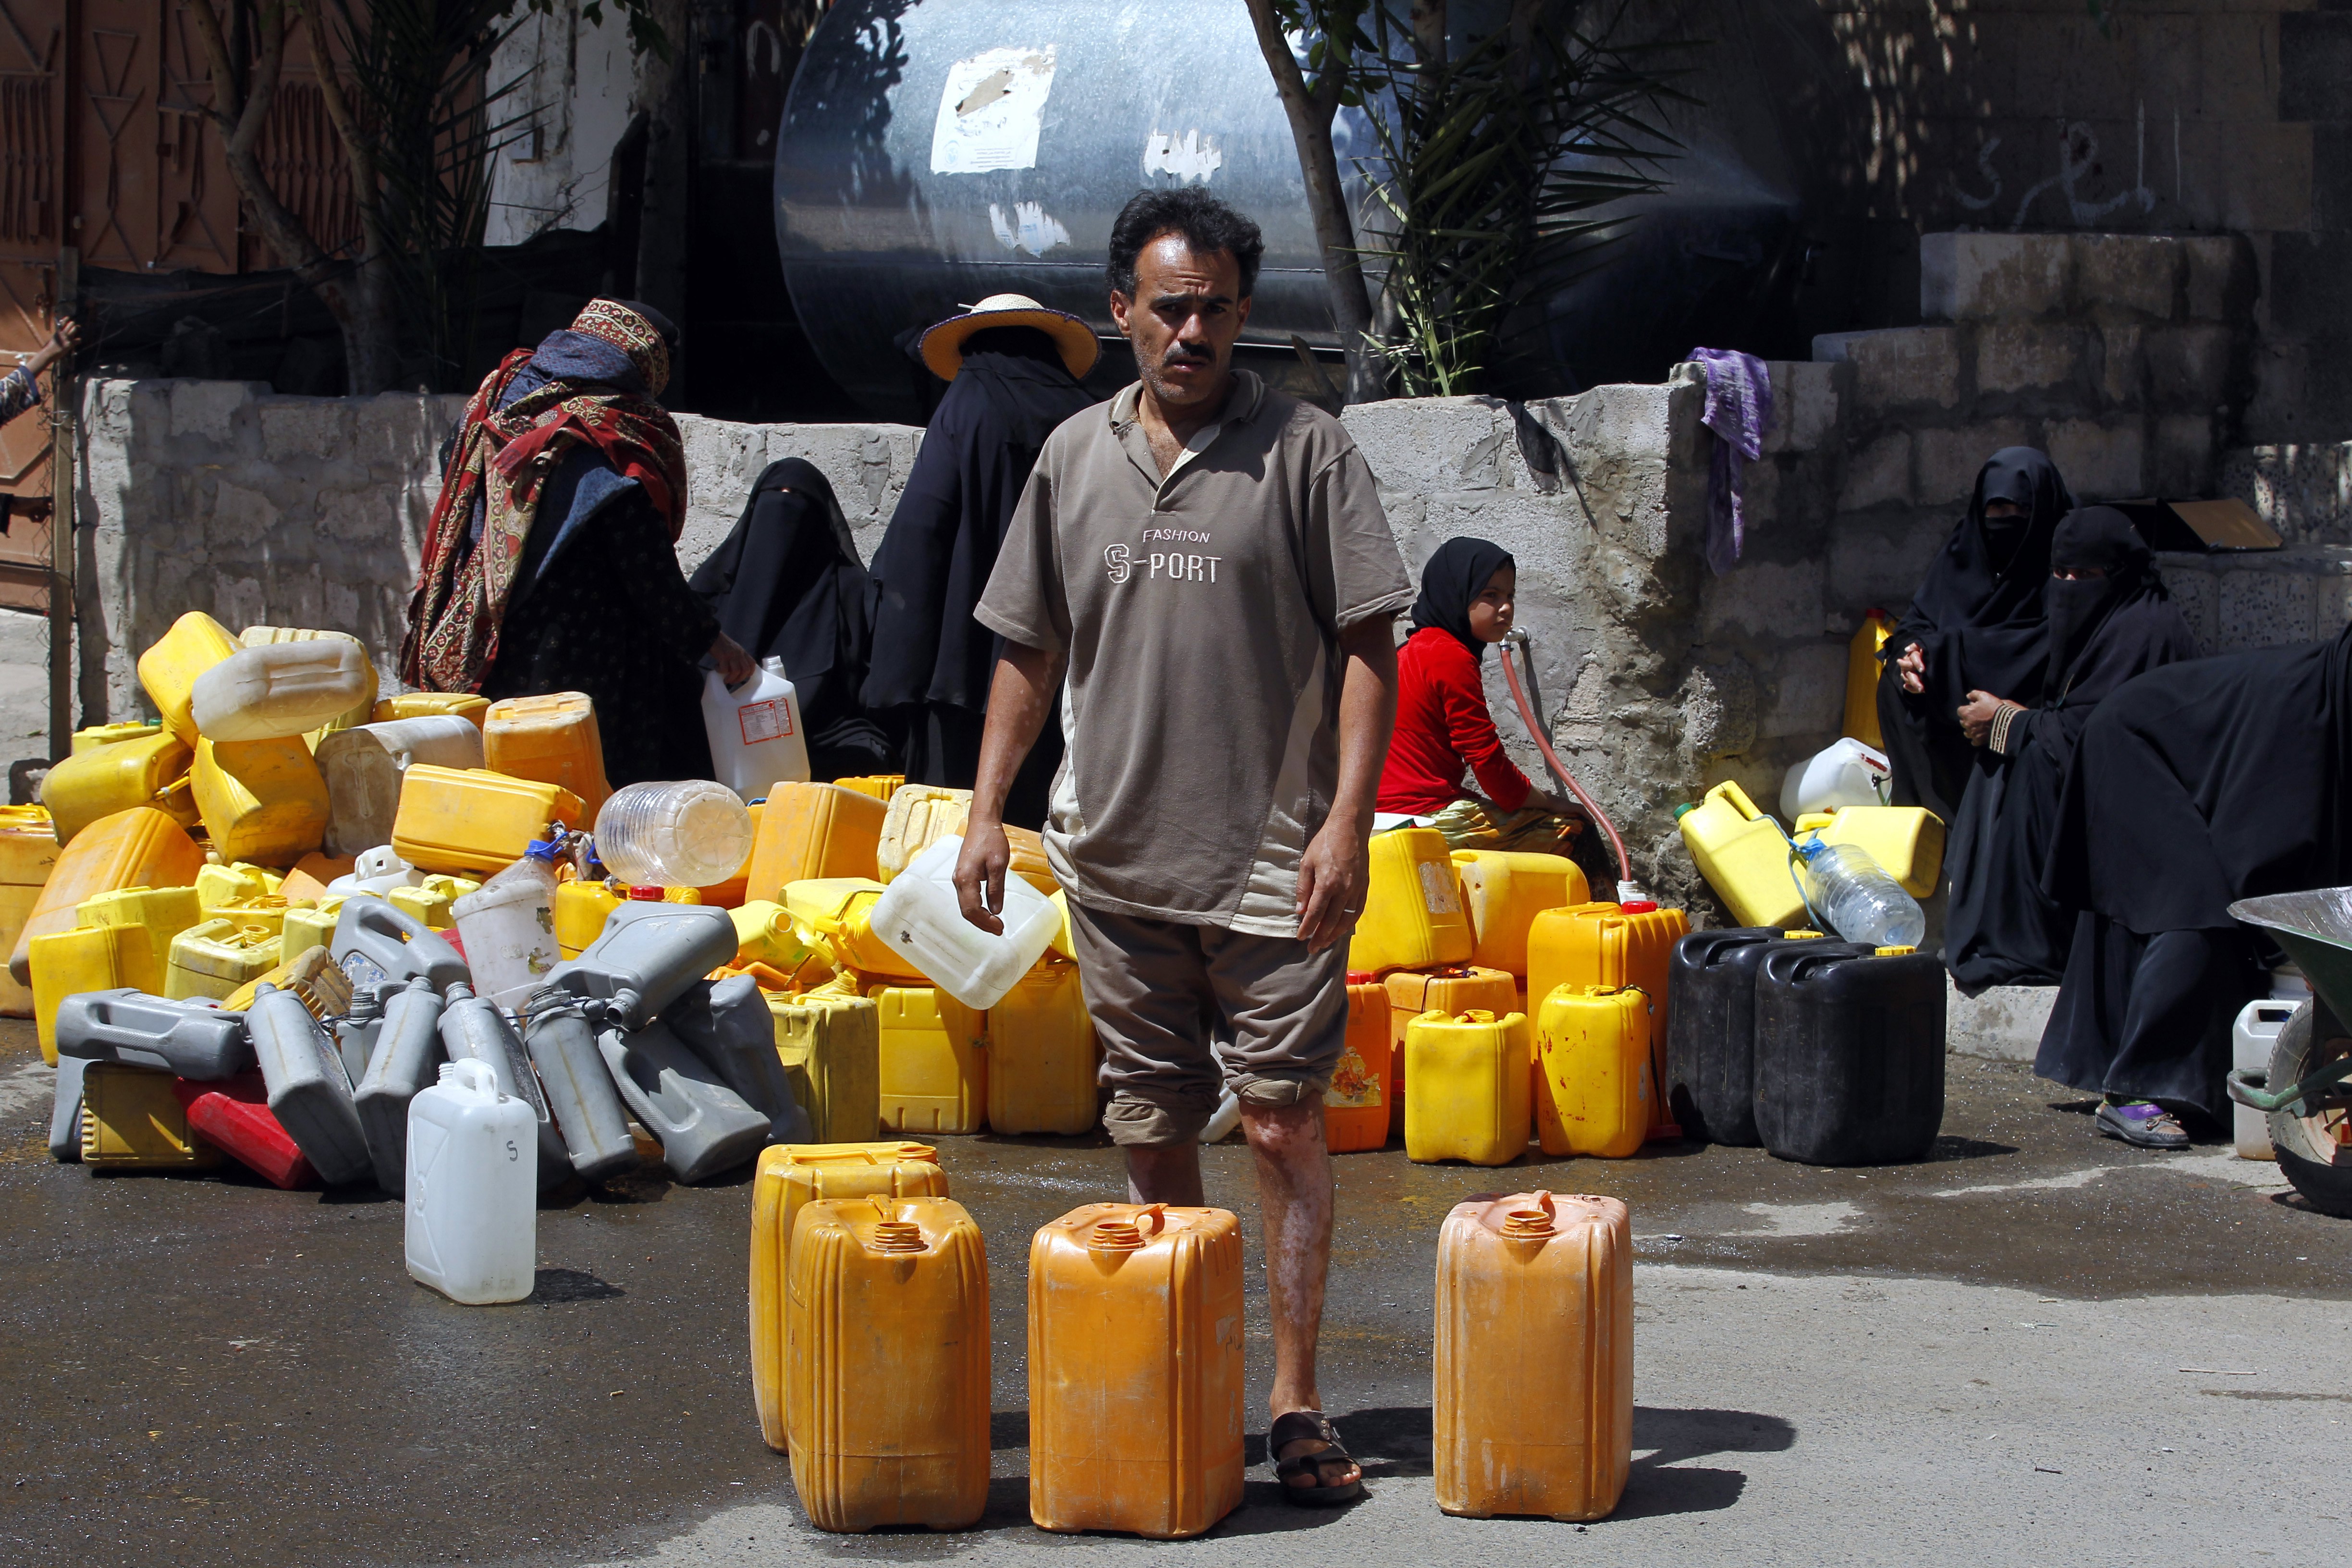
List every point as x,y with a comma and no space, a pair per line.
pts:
1456,574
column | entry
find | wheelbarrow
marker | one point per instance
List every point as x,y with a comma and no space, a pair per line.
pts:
2308,1093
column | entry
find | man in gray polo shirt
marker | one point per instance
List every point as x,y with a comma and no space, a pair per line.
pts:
1203,558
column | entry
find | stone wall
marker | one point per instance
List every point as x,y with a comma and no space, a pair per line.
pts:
2123,356
254,508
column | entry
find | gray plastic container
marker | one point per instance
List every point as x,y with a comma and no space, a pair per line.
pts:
356,1032
309,1092
408,1057
474,1027
64,1111
728,1024
705,1126
376,941
646,957
139,1030
580,1090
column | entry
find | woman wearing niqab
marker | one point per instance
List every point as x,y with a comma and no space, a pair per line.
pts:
2193,786
2109,619
549,563
787,585
1976,624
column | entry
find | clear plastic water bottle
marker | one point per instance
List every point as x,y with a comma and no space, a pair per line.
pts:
1854,894
687,833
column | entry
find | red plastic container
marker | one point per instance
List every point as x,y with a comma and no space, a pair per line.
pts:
233,1115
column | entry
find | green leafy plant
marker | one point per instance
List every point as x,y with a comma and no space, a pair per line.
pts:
1494,165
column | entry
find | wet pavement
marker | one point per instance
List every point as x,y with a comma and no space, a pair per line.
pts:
207,1368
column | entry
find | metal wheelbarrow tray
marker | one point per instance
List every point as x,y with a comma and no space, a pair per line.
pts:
2311,1113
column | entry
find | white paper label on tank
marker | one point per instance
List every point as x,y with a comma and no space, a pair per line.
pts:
1191,157
989,112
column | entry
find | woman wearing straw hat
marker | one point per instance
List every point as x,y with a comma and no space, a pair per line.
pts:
1013,368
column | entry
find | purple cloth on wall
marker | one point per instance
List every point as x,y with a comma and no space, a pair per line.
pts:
1739,410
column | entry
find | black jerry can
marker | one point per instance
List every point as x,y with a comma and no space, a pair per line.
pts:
1711,1033
1849,1054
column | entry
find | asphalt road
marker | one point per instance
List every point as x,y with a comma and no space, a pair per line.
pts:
2037,1347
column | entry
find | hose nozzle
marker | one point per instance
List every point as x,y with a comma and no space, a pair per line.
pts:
1518,635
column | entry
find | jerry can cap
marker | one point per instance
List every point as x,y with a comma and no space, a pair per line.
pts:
1359,977
544,850
1639,907
644,893
1684,810
1892,952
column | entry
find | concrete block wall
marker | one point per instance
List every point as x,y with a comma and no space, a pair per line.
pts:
254,508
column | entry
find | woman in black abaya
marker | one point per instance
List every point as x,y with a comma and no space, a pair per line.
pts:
1012,367
2193,786
2109,619
786,583
1975,625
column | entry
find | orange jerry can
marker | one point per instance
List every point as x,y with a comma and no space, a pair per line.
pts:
550,738
1534,1387
140,847
1356,1106
813,830
1593,1090
886,1362
1042,1077
1135,1370
1456,988
1630,946
791,1176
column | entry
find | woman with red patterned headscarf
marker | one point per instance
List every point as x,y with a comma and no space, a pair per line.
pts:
548,564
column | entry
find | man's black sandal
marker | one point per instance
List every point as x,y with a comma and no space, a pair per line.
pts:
1304,1426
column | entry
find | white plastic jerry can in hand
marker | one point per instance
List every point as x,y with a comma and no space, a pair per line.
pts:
473,1188
756,739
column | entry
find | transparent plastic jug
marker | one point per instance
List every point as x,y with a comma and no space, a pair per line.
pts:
581,1094
473,1204
474,1028
408,1060
705,1129
1854,893
687,833
308,1091
756,738
919,918
508,927
363,766
280,690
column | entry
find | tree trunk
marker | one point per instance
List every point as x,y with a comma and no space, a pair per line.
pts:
1310,112
358,295
665,97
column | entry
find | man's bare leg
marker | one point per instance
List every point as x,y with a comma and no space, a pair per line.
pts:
1294,1199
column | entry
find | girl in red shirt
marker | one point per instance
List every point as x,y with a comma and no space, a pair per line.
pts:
1442,725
